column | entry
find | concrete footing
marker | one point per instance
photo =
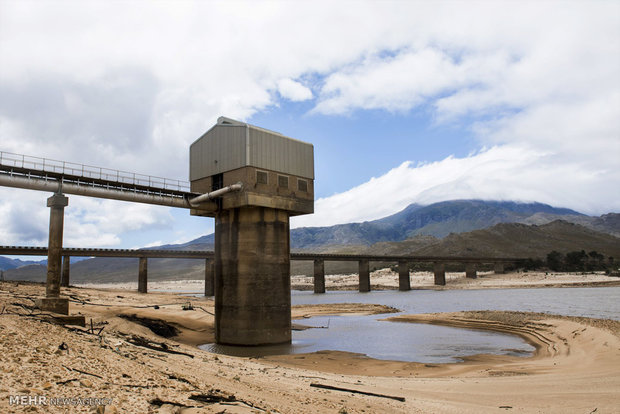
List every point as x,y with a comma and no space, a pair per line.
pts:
440,273
209,277
364,276
470,271
252,276
404,282
142,275
319,276
55,305
79,320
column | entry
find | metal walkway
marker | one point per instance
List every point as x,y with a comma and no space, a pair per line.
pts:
34,173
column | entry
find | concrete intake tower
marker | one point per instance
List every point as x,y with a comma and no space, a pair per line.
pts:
270,177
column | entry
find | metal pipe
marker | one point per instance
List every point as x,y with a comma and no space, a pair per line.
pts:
86,190
194,202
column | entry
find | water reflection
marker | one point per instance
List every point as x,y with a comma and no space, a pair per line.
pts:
387,340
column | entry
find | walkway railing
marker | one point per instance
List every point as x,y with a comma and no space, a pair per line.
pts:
25,163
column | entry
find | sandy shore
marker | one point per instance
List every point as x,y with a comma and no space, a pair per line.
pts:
575,367
387,279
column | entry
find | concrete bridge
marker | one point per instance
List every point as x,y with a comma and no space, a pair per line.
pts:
470,264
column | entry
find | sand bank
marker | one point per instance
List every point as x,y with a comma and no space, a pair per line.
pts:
575,368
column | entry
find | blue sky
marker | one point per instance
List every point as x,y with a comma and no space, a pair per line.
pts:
404,102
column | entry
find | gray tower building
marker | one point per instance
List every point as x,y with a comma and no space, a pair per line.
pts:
252,237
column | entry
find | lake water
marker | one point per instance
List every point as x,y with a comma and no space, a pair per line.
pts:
429,343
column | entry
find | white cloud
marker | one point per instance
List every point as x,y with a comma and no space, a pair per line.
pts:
131,89
88,222
500,173
294,91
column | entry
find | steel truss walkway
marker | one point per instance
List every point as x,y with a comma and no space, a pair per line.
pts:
43,174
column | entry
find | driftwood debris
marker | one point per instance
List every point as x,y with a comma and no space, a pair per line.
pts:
82,372
156,346
214,397
67,381
159,402
372,394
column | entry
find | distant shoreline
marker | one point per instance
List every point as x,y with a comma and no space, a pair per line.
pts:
385,279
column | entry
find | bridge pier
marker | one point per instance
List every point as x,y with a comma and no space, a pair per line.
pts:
66,266
52,301
364,275
440,273
319,276
142,275
499,268
209,277
404,282
252,272
470,271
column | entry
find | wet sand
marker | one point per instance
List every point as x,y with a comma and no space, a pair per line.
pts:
575,367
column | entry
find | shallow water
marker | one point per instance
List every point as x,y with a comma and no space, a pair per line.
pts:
430,343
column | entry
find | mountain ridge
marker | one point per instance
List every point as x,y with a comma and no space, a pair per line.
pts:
448,227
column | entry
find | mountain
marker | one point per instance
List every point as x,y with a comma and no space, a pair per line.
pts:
501,240
7,263
461,227
516,239
438,220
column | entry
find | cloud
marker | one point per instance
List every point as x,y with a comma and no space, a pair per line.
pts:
294,91
130,89
88,222
20,225
499,173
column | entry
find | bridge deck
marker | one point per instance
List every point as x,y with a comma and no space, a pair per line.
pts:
36,168
200,254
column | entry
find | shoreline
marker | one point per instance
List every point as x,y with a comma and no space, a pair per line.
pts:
385,279
580,353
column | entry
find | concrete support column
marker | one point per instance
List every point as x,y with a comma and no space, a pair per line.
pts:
403,276
52,301
142,275
209,277
319,276
470,271
499,268
66,268
440,273
252,276
364,276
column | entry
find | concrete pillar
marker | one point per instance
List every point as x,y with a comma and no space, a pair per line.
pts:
499,268
470,271
403,276
209,277
52,301
319,276
66,268
252,276
364,276
440,273
142,275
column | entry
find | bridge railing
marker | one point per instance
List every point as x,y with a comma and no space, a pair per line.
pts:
46,165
